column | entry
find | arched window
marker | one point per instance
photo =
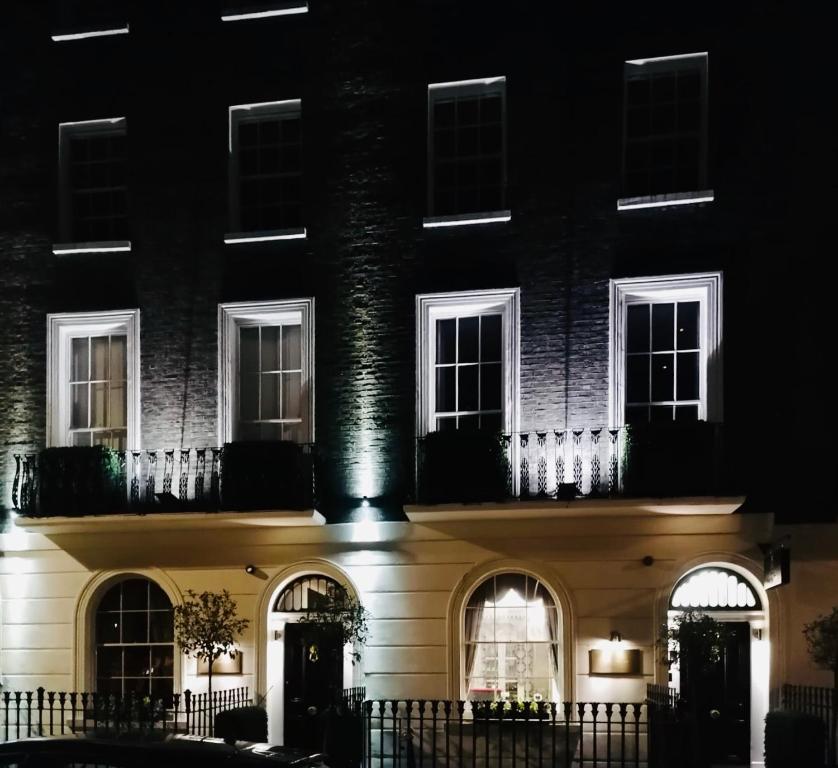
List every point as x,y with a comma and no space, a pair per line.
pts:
135,649
511,641
306,593
714,588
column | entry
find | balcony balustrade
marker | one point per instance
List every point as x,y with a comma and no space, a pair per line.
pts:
650,460
77,482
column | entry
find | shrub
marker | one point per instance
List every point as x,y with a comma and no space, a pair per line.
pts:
79,481
242,724
266,475
463,466
794,739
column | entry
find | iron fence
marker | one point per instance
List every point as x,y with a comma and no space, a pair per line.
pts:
460,734
820,702
53,713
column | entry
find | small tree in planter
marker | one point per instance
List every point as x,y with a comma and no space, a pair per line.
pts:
822,642
207,626
341,616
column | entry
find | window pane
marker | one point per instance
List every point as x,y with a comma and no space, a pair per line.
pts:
118,362
291,349
446,424
249,397
445,389
446,343
637,414
270,348
98,405
134,595
468,422
291,394
160,626
157,597
135,627
663,327
99,353
162,662
662,377
687,376
637,379
107,626
688,325
490,338
249,349
137,661
468,339
116,405
490,386
660,413
637,328
79,356
491,421
78,409
467,388
686,413
270,396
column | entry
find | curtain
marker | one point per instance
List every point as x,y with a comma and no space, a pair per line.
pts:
552,615
473,620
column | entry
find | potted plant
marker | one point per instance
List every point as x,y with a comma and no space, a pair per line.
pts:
822,642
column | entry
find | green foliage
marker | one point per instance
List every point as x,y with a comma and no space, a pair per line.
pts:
242,724
206,625
793,739
520,707
266,474
822,641
694,635
342,616
77,481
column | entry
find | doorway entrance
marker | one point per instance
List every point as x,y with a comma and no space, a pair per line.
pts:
726,697
313,679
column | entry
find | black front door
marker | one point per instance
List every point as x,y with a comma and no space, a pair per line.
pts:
721,696
313,678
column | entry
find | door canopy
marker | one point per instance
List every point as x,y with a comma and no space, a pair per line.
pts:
714,588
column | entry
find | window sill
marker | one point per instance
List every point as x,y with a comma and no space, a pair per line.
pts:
266,11
101,246
460,220
665,200
266,235
109,31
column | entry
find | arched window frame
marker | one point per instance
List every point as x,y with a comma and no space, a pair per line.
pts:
280,604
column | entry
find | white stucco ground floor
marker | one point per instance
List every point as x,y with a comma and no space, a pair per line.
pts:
589,572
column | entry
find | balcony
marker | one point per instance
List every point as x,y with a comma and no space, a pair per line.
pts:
652,461
80,482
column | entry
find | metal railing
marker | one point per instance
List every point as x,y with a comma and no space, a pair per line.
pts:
26,714
460,734
666,459
140,481
820,702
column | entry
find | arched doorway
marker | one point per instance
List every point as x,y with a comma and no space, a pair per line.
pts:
729,693
305,668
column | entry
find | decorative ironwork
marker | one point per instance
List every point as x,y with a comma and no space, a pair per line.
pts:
525,464
613,461
595,433
577,459
183,469
541,469
200,464
151,469
168,469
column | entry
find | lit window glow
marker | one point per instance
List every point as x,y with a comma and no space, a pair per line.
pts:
714,588
63,38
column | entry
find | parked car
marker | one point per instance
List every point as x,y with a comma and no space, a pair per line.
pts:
172,752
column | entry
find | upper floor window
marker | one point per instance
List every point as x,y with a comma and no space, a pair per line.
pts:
666,344
80,19
468,360
266,200
467,152
511,634
267,354
243,10
665,132
93,379
135,652
93,192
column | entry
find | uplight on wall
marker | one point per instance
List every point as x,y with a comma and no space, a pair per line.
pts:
223,665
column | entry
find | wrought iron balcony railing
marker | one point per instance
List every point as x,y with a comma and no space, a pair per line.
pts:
77,481
671,459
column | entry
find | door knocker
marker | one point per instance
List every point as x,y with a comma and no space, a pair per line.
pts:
313,653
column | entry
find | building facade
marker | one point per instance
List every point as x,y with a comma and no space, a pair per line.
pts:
482,310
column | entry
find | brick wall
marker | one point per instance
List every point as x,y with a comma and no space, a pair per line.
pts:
361,70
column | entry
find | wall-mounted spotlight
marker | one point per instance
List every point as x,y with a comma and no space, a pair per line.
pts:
648,560
365,502
251,569
616,637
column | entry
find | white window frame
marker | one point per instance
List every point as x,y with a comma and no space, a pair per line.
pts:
66,132
431,307
264,10
705,288
677,62
476,87
106,31
279,109
231,317
61,330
